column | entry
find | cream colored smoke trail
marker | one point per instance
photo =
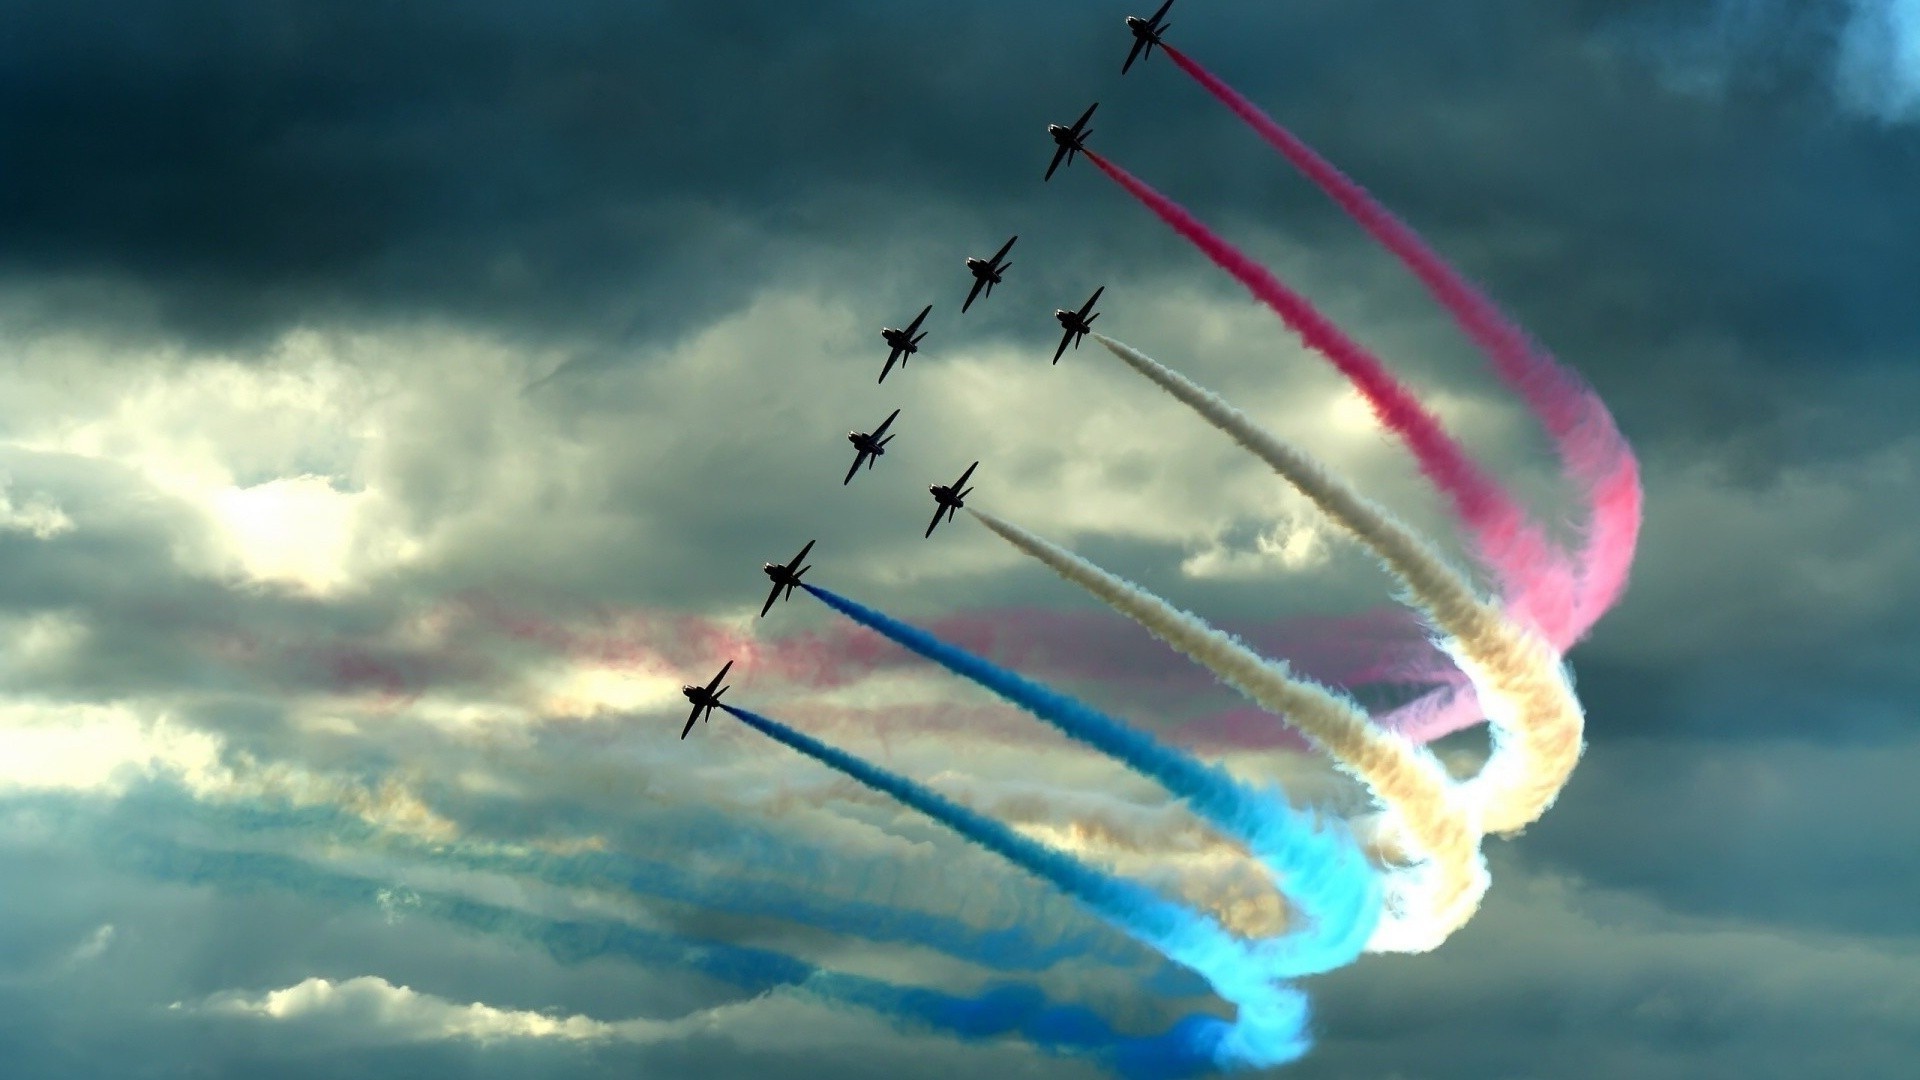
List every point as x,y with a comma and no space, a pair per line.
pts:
1535,719
1427,815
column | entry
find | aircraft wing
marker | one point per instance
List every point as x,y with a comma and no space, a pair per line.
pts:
1085,116
1062,350
795,564
1057,155
918,319
690,721
884,425
938,509
1004,248
722,675
973,292
962,482
768,606
1161,14
1091,300
1133,54
891,357
857,460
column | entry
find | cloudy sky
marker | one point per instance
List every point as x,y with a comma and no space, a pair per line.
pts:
397,400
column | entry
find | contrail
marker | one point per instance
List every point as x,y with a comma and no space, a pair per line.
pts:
1002,1009
1584,435
1404,777
1504,537
1271,1026
1535,719
1320,868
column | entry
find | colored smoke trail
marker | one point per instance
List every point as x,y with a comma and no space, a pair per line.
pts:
1423,906
1271,1026
1319,867
1002,1009
1531,709
1503,536
1584,435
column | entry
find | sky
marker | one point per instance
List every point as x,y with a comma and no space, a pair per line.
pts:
398,399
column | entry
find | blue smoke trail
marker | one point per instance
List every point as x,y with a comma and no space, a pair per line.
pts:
1001,1009
1010,948
1324,872
1271,1027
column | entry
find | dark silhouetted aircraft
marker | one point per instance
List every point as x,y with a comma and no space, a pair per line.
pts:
948,500
1146,33
1069,141
869,445
903,341
705,698
987,272
1078,324
784,577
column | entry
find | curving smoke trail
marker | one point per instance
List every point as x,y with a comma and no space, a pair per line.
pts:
1504,538
1583,432
1271,1026
1004,1009
1423,905
1323,872
1535,718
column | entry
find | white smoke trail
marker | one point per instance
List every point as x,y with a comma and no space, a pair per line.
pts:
1536,720
1428,818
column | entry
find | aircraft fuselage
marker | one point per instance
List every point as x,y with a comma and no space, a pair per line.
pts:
983,269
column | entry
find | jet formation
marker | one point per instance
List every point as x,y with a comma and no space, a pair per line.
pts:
1069,141
705,699
903,342
948,498
784,577
1077,324
869,446
1146,34
987,272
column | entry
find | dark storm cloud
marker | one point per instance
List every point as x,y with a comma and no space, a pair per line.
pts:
619,170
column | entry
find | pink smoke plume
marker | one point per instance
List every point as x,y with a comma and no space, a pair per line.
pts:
1504,538
1094,646
1584,435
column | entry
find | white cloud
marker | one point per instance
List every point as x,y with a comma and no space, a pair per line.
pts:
376,1011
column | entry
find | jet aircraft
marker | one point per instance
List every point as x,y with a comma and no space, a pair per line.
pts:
903,341
1146,33
869,446
1069,141
987,272
948,500
705,698
784,577
1078,324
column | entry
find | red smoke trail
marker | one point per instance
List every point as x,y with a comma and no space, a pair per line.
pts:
1505,539
1583,432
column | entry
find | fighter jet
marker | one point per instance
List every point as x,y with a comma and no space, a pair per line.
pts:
869,445
1146,33
1078,324
784,577
1069,140
987,272
947,500
705,699
903,341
